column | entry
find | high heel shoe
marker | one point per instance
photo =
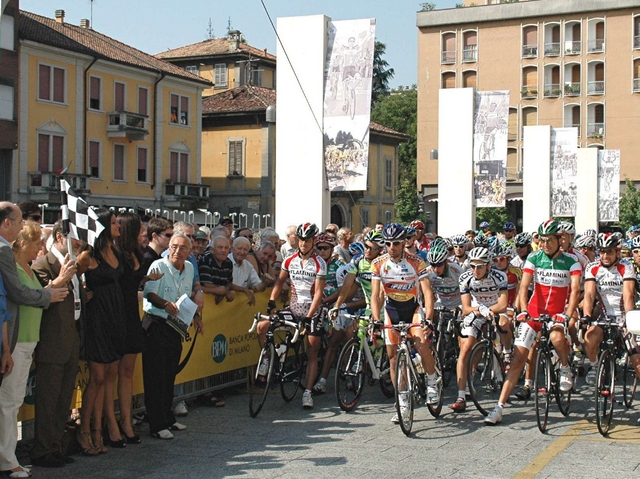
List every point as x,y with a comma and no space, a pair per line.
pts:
100,447
135,439
86,451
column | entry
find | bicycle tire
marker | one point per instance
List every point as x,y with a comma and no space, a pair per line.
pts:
291,373
260,387
563,399
449,359
605,392
629,382
404,391
350,372
542,388
386,385
436,409
486,384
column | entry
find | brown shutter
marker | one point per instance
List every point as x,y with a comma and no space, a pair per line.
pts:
94,94
119,102
94,158
44,90
173,167
184,167
118,162
58,85
469,79
43,153
58,153
142,100
184,110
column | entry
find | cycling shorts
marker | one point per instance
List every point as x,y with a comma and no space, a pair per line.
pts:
398,312
342,322
315,325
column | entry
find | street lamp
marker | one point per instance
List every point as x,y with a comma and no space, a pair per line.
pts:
184,215
216,218
158,212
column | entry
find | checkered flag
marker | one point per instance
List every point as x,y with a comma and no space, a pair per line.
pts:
82,221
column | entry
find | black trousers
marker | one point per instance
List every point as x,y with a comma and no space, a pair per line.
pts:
159,368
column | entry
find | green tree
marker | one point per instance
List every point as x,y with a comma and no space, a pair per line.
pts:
629,206
496,217
407,206
427,6
382,74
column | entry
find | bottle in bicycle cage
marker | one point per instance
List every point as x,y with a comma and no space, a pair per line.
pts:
280,350
417,361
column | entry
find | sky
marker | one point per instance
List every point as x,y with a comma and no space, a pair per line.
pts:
157,25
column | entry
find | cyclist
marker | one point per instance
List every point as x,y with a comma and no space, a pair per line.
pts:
635,260
460,257
481,241
586,244
522,242
483,291
612,280
401,279
509,231
422,242
410,244
444,276
307,272
485,228
556,291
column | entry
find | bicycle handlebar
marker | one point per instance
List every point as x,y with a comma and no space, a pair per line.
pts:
265,317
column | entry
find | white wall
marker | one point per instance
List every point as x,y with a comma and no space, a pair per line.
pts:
301,190
536,181
587,208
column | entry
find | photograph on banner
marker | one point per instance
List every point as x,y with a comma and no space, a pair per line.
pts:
608,185
346,154
490,128
564,171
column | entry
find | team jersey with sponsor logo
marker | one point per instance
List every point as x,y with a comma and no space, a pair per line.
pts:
483,291
361,268
514,275
401,280
303,276
447,287
552,279
609,284
331,284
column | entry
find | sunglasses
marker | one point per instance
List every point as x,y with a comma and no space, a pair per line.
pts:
393,243
437,265
458,246
607,251
35,217
366,246
167,235
636,251
477,266
499,258
323,248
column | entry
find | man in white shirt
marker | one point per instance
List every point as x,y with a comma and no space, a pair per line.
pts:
291,245
245,278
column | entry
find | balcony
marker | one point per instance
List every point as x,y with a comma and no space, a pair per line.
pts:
636,41
185,196
596,46
572,89
529,51
636,85
569,124
45,186
448,57
552,49
595,88
572,47
595,131
470,53
123,124
552,90
529,92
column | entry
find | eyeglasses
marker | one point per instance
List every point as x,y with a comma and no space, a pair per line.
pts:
607,251
458,246
548,240
323,248
477,266
499,258
366,246
167,235
393,243
437,265
409,237
178,247
636,251
35,217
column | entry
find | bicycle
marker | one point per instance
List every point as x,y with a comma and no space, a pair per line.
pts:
366,348
546,382
290,363
447,326
411,384
485,369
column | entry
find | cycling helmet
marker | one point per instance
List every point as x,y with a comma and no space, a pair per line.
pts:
633,229
509,226
484,224
356,248
635,242
504,249
493,242
325,238
585,241
459,240
306,231
566,227
410,231
523,239
417,224
394,231
609,240
480,254
549,227
590,232
447,242
374,237
481,240
438,252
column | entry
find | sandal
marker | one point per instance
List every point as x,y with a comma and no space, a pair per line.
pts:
86,451
100,447
210,400
459,406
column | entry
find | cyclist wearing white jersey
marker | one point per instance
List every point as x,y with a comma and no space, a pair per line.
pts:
444,276
460,247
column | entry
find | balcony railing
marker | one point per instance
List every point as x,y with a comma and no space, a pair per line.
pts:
186,189
595,88
470,53
552,49
596,46
49,182
572,47
595,130
636,84
529,92
636,41
569,124
552,90
529,51
123,124
572,89
448,57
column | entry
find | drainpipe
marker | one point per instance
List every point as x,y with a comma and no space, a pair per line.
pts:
156,126
84,114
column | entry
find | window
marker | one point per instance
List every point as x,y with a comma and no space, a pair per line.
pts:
470,46
118,162
95,88
448,80
388,173
193,69
469,79
387,217
50,152
530,41
220,76
179,109
179,171
448,48
236,154
51,83
256,77
6,102
143,101
364,218
94,158
6,32
119,99
142,165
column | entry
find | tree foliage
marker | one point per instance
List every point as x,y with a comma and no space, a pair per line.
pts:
427,6
382,74
629,206
496,217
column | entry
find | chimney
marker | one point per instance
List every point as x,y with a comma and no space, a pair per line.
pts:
85,23
60,16
234,40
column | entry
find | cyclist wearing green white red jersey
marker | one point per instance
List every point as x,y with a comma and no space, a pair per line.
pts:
556,291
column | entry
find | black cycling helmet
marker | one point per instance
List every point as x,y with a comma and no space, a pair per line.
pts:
307,231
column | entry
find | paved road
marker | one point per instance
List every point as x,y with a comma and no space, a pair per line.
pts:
287,442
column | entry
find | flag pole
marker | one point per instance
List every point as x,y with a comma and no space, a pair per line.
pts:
64,208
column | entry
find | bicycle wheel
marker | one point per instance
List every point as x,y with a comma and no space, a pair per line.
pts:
605,392
542,388
260,384
291,373
485,383
386,385
350,375
436,409
629,382
449,359
404,392
563,399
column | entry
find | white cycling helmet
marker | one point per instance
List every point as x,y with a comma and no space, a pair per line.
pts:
480,254
566,227
459,240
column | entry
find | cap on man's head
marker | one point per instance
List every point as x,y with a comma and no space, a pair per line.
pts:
200,235
226,221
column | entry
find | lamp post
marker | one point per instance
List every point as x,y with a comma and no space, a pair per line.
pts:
216,218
